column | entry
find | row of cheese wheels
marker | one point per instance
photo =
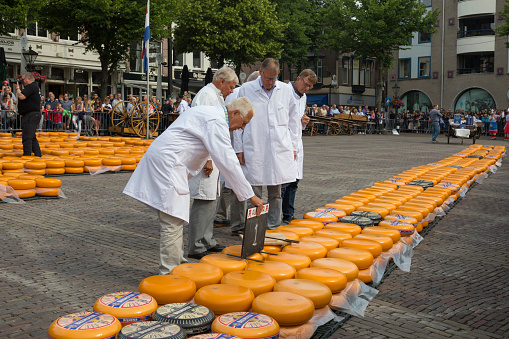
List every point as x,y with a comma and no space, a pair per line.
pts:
28,186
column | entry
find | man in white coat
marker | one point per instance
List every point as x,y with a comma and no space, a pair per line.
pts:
204,185
267,148
161,178
305,81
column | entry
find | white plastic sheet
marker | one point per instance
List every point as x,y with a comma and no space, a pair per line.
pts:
320,317
354,298
8,194
93,170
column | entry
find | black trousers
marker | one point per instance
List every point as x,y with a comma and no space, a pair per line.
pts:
29,123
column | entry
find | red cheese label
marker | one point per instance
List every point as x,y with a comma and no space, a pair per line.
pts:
245,320
126,300
83,321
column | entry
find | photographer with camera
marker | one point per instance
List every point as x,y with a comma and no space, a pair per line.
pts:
30,110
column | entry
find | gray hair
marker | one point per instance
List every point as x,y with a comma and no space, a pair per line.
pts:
253,76
243,104
270,63
227,74
29,76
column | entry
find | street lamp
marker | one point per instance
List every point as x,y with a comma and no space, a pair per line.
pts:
395,89
30,57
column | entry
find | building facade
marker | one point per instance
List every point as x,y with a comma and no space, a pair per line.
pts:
463,66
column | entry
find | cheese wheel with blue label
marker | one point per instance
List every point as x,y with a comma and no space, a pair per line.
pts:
403,218
317,292
127,307
287,308
225,298
85,325
247,325
333,279
168,289
192,318
313,250
202,274
314,225
344,207
336,211
405,229
322,217
298,261
152,330
258,282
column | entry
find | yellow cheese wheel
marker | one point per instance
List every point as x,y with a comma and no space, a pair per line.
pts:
394,201
35,172
55,170
413,214
423,200
401,197
237,250
48,182
385,184
202,274
438,198
385,241
365,275
225,262
313,250
111,162
12,165
369,192
258,282
288,309
393,234
168,289
322,217
128,161
224,298
376,209
272,249
107,151
348,268
47,192
338,213
420,206
74,170
74,163
12,175
386,205
368,196
317,292
360,199
415,209
351,229
30,177
288,234
85,325
405,229
246,325
353,203
297,261
360,257
332,233
333,279
35,165
404,218
92,162
127,307
328,242
301,231
21,184
314,225
374,247
277,270
128,167
24,194
344,207
59,152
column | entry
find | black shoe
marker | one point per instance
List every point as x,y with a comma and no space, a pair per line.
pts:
217,248
287,220
237,233
220,223
198,255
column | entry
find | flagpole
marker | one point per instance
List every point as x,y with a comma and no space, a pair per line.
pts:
146,48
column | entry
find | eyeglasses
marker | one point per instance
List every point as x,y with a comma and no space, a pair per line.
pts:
269,78
307,85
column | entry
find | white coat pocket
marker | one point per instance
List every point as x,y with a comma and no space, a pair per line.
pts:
282,116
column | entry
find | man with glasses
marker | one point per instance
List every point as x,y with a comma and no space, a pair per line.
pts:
268,146
30,110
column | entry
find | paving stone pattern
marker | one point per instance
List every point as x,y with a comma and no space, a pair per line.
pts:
60,256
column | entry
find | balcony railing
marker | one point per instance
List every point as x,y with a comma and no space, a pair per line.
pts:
475,32
488,69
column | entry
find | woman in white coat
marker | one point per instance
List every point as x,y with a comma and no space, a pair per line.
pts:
161,178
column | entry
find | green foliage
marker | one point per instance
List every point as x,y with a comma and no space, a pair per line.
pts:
503,30
14,14
239,31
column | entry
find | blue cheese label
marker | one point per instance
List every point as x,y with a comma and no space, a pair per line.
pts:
126,300
85,321
245,320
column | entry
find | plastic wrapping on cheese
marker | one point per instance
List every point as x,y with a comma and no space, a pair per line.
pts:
354,298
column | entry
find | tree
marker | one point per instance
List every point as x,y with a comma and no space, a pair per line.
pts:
108,26
374,29
16,14
238,31
503,30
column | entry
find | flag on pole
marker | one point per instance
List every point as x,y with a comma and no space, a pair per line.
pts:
146,39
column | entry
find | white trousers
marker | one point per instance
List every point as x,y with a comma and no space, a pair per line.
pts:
171,245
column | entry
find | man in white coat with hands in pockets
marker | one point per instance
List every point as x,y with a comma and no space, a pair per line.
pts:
161,178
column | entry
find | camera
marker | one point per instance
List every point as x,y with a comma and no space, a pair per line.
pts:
17,81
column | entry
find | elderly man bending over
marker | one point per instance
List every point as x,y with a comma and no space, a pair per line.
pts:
161,178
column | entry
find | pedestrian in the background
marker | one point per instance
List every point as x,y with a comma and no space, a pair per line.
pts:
435,123
493,124
29,108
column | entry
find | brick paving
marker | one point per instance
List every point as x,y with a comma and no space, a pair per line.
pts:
59,256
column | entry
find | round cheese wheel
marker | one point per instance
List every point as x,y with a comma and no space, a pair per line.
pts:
25,194
333,279
360,199
382,211
151,329
360,257
393,234
374,247
314,225
288,234
277,270
111,162
85,325
396,202
353,203
405,229
237,250
348,268
328,242
413,214
369,196
375,217
128,167
92,162
365,275
225,262
301,231
257,282
384,241
313,250
225,298
297,261
287,308
202,274
192,318
48,182
74,170
167,289
369,192
247,325
36,172
385,184
422,207
47,192
387,205
401,197
272,249
55,170
127,307
317,292
338,213
322,217
332,233
404,218
415,209
12,165
35,165
344,207
21,184
74,163
352,229
54,164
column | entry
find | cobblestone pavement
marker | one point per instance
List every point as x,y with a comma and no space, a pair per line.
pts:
59,256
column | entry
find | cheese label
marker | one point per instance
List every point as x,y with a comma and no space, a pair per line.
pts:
245,320
183,311
83,321
321,215
151,329
126,300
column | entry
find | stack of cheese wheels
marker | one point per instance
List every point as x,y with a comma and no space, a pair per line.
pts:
74,166
247,325
225,262
24,188
277,270
85,325
128,163
313,250
48,187
127,307
405,229
225,298
333,279
55,167
193,318
373,247
348,268
317,292
393,234
335,234
384,241
202,274
167,289
156,329
360,257
328,242
112,164
258,282
314,225
287,308
35,167
298,261
237,251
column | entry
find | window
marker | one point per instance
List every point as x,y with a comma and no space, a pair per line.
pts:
410,41
426,2
196,59
178,59
213,63
319,72
404,68
72,37
57,73
367,75
355,67
424,37
346,68
36,30
424,67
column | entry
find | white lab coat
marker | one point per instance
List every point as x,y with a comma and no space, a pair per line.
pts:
202,186
229,99
161,178
183,106
267,143
299,106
